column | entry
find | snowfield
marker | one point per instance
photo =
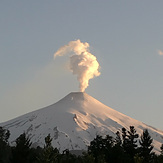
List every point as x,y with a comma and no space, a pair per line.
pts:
74,121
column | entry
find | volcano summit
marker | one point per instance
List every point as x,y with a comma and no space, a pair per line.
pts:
74,121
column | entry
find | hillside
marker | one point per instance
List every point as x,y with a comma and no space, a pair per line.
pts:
74,121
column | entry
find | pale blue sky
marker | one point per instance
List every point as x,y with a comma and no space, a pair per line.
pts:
125,36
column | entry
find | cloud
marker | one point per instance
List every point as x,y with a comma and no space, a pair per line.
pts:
160,52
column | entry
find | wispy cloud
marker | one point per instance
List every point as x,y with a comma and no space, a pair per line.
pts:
160,52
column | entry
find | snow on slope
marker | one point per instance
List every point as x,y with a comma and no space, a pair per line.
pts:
74,121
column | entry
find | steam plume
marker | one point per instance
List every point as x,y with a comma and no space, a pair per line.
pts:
82,62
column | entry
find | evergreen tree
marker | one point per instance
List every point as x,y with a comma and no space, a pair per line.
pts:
96,148
161,149
118,141
108,146
160,157
129,142
138,159
101,148
67,157
48,141
146,146
22,151
132,135
124,139
118,155
48,154
5,151
87,158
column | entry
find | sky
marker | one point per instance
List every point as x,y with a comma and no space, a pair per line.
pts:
125,36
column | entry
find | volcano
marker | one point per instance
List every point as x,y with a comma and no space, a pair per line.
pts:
73,122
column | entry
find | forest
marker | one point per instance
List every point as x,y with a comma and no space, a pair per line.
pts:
126,147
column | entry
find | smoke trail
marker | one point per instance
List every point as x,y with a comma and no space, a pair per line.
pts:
82,62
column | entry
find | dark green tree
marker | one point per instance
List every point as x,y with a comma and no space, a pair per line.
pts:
67,157
129,142
5,150
117,152
160,157
108,146
146,146
118,140
161,148
87,158
96,148
22,151
101,148
124,139
138,159
132,142
48,154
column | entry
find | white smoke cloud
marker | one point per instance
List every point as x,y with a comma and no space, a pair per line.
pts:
82,62
160,52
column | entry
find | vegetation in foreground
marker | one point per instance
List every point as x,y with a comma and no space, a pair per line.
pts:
126,147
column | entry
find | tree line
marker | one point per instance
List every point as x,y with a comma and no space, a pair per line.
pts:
126,147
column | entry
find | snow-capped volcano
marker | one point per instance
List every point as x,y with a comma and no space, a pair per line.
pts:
74,121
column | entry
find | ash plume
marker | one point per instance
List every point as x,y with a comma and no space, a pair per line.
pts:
82,63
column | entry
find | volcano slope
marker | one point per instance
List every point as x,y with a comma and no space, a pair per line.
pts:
74,121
